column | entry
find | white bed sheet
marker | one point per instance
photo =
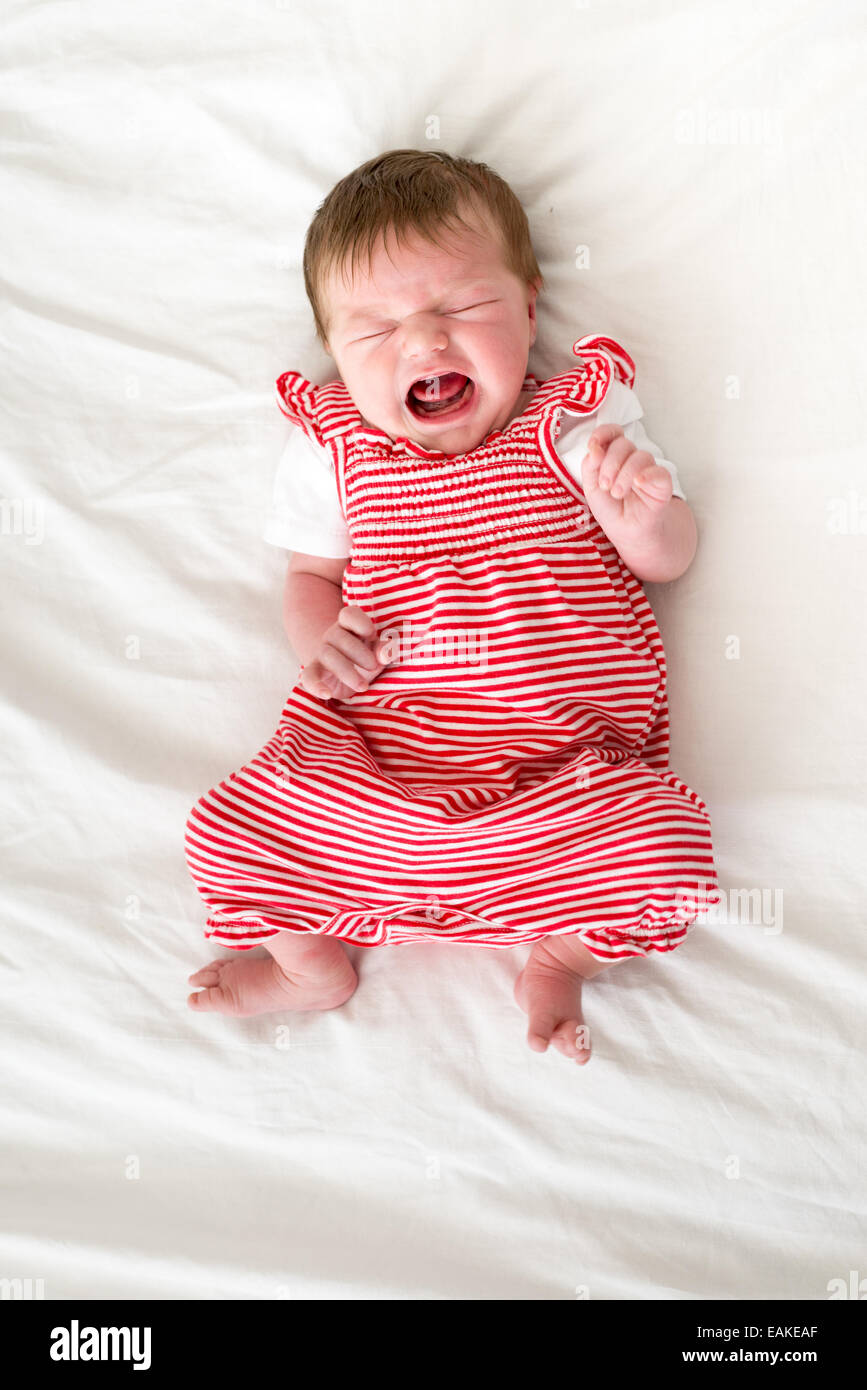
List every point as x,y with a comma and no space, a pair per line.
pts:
161,167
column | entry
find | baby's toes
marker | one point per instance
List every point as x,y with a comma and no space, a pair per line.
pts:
208,975
213,992
213,997
572,1038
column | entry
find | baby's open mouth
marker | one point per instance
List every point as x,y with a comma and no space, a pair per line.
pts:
433,396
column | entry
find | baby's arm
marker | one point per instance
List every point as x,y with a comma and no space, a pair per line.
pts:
331,640
312,599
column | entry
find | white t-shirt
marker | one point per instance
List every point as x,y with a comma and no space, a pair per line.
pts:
305,513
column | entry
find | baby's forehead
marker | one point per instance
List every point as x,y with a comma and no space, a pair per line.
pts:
376,289
449,258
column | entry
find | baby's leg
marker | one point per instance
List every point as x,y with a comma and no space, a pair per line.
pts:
302,971
548,989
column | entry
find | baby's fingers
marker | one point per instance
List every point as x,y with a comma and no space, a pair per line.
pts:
341,666
314,678
357,650
603,436
354,619
328,687
601,460
624,479
654,483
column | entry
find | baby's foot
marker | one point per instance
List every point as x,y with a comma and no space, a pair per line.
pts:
548,989
245,987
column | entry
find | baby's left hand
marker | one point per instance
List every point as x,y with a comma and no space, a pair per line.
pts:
622,483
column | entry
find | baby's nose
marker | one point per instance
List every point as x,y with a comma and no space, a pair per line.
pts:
423,337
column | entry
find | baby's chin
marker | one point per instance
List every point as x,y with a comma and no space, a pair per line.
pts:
461,439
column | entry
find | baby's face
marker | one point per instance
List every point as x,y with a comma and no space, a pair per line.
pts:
433,316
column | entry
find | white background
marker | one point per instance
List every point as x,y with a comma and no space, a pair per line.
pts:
161,165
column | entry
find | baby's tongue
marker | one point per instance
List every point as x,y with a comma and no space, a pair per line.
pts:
430,390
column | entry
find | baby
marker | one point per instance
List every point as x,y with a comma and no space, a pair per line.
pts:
476,750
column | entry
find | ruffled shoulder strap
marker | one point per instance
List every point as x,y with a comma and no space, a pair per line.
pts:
597,350
323,412
584,387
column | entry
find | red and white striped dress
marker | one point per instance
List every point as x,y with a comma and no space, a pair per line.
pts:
506,777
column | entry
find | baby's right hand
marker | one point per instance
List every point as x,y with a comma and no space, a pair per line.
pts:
346,660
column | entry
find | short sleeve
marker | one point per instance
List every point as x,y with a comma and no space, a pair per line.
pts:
620,407
305,513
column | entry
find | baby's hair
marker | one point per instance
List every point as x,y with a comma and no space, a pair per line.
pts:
421,191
